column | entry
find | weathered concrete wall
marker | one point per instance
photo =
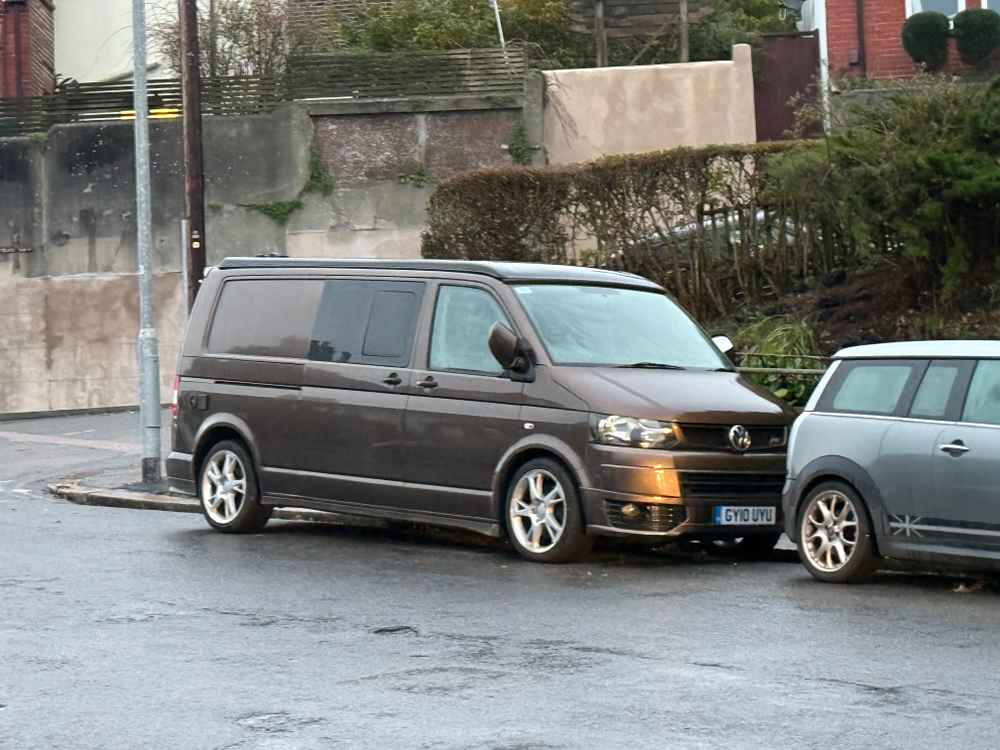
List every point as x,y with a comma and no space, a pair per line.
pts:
598,112
19,194
68,306
70,342
69,197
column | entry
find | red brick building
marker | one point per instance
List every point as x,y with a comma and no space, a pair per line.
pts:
27,47
863,37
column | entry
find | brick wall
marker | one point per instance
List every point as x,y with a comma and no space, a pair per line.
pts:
884,54
27,48
42,42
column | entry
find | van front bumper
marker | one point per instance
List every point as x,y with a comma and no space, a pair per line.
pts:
674,494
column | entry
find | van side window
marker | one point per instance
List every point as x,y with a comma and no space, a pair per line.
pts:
264,317
870,386
982,405
463,318
366,322
937,390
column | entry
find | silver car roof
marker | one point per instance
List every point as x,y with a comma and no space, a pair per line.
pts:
924,350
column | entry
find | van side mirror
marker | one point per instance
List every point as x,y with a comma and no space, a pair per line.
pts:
509,350
723,343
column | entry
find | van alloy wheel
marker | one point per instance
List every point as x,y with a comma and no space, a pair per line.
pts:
538,511
830,531
223,487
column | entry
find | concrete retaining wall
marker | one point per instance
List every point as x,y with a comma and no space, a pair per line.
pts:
68,293
70,342
386,158
68,305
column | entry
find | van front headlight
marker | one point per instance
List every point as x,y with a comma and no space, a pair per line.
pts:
633,432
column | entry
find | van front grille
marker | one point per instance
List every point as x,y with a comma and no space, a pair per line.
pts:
658,518
734,485
716,438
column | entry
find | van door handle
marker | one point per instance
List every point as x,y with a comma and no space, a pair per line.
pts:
956,449
393,380
428,383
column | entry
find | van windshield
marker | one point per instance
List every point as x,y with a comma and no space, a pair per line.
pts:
604,326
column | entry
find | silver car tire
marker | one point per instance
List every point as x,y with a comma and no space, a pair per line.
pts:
836,542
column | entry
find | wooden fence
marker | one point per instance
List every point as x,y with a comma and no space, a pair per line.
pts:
478,72
486,72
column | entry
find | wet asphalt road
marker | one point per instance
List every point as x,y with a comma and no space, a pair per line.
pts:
128,629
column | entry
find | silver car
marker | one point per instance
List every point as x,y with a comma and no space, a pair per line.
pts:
897,456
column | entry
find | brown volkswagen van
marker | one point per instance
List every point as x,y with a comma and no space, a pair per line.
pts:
550,404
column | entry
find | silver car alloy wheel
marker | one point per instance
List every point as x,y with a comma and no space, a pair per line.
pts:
830,531
537,511
223,487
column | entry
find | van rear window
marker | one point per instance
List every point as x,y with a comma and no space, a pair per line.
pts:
265,317
366,322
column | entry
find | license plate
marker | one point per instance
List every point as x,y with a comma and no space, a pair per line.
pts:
737,515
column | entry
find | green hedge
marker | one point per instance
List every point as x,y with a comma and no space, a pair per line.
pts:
709,223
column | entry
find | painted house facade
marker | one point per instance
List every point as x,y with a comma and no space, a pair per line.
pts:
94,39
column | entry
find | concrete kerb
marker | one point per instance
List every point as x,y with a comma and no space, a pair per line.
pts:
119,497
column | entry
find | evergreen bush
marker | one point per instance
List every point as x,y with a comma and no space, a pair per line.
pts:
925,39
977,34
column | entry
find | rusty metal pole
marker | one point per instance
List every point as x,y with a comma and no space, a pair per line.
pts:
194,161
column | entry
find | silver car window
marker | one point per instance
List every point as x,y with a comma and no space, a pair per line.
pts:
931,401
983,402
873,389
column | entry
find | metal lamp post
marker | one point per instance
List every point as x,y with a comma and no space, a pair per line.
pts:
148,349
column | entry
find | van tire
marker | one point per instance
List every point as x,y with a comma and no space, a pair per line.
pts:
227,482
863,560
542,496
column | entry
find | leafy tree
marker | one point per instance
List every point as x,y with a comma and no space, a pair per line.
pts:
543,26
237,37
422,24
735,22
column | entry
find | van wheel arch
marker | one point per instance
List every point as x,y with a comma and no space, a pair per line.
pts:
513,466
214,436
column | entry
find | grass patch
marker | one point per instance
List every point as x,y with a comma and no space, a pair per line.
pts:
320,180
280,212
